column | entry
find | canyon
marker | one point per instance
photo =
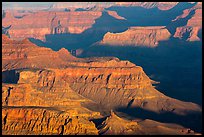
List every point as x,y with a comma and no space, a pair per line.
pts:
55,21
82,89
102,68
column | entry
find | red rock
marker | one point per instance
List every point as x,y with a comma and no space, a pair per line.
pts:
49,23
25,54
137,36
193,26
52,89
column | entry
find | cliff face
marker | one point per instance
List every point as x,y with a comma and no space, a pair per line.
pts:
30,109
109,87
49,23
24,54
137,36
61,96
117,82
42,121
191,30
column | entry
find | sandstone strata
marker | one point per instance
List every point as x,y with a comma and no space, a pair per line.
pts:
61,96
49,23
30,109
42,121
137,36
24,54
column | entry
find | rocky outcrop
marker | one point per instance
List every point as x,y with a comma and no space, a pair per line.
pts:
36,110
43,121
110,87
52,87
137,36
25,54
119,83
188,33
191,30
115,125
49,23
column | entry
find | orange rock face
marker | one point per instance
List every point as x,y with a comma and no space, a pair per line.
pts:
43,121
24,54
49,23
137,36
56,93
193,26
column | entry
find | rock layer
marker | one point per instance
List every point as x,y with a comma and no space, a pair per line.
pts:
42,121
61,96
25,54
48,23
137,36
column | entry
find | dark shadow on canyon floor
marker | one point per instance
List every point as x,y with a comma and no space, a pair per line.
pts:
192,120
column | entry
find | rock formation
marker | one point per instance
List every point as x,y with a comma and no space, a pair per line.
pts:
24,54
48,23
191,30
137,36
43,121
115,125
55,93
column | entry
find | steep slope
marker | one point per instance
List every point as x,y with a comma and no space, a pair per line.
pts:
104,83
43,121
137,36
28,109
117,82
24,54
